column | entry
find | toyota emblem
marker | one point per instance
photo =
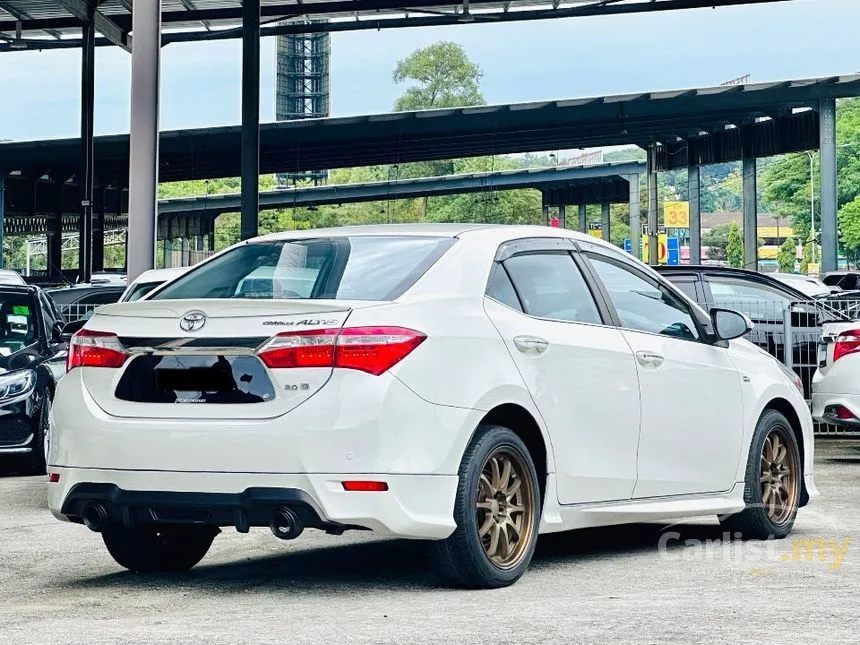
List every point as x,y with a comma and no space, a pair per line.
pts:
193,321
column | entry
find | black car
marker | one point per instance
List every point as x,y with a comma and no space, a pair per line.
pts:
765,300
79,301
33,352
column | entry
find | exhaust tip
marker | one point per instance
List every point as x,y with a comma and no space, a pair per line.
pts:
95,517
285,524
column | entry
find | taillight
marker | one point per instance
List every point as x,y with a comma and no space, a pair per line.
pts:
369,349
90,348
300,349
847,342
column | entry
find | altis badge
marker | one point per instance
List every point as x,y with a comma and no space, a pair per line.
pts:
310,322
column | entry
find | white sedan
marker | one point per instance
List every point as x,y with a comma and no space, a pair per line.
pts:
469,385
836,382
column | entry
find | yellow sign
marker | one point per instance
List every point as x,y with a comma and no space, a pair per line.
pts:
676,214
812,268
770,231
662,253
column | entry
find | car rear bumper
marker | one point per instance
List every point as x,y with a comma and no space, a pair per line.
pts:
414,506
357,423
822,401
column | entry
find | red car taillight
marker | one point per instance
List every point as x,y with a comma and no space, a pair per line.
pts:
847,342
369,349
90,348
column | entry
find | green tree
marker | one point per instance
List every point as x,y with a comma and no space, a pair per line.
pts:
807,258
787,256
443,77
735,246
849,226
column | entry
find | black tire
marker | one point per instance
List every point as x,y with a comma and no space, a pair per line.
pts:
755,521
461,560
168,549
35,463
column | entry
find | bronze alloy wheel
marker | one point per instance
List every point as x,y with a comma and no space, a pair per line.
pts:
779,476
505,506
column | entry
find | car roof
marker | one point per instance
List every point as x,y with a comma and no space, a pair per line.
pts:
741,273
11,286
66,295
421,229
161,274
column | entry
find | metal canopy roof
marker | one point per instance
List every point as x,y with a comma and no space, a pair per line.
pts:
27,209
43,24
706,125
544,178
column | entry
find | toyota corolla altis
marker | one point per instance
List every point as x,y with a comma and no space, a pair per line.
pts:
468,385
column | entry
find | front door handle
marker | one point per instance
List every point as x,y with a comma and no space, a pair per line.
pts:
649,359
531,344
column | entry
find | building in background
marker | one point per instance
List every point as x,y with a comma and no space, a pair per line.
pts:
303,87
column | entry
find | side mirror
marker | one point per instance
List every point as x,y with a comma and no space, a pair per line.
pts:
70,328
730,324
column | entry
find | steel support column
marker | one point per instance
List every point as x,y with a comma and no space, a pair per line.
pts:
635,217
653,221
750,214
54,235
583,218
562,216
143,167
85,170
98,233
2,217
828,201
185,257
167,252
250,118
605,220
694,195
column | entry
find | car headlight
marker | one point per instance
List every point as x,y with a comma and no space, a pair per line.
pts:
792,376
17,384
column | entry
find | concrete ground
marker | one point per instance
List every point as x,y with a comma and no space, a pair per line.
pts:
58,584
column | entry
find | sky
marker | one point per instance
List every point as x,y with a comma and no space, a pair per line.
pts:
526,61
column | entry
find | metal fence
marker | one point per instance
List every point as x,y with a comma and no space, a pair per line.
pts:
791,332
76,311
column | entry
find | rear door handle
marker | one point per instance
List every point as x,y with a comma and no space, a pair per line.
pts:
531,344
649,359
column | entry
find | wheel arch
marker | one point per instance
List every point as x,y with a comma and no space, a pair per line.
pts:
522,423
786,409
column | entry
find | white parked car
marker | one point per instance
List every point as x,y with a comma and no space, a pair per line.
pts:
150,280
468,385
808,285
836,382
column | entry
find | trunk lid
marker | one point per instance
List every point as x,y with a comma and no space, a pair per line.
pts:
198,358
826,344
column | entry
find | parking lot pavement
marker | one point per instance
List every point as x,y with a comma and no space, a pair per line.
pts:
59,585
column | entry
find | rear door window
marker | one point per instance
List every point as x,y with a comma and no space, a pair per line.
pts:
551,286
345,268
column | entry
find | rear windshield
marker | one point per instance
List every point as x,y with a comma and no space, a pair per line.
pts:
345,268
